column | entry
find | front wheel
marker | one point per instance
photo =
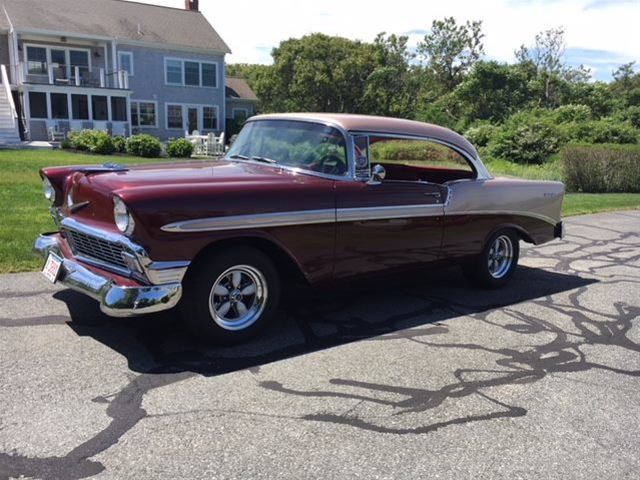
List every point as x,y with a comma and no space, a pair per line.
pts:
231,295
496,263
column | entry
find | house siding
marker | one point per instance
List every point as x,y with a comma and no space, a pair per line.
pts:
148,83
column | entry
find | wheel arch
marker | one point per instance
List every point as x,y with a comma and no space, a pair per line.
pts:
519,229
285,263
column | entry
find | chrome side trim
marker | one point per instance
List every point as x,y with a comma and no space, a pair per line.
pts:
310,217
517,213
260,220
385,213
303,217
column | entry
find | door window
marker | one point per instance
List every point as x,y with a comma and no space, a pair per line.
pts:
418,160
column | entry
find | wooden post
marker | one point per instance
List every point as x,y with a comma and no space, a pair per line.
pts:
102,82
77,75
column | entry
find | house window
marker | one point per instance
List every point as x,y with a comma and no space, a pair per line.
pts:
119,109
209,75
79,107
143,114
59,106
174,72
37,60
100,109
125,61
134,114
192,73
38,104
174,116
240,113
209,118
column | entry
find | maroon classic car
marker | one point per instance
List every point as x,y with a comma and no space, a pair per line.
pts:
317,197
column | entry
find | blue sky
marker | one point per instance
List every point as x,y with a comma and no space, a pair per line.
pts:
602,34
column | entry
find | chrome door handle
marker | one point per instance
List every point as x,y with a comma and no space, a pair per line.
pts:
435,195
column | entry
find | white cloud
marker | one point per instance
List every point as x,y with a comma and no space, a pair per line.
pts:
252,28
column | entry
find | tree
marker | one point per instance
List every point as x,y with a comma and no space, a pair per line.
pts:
493,91
391,87
450,50
547,54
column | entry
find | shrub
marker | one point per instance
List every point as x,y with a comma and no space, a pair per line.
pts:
481,135
119,143
102,143
571,113
180,148
531,143
601,168
94,141
66,144
144,145
603,131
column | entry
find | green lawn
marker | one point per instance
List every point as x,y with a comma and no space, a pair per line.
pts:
25,212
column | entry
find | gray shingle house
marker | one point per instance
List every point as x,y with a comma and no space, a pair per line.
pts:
113,65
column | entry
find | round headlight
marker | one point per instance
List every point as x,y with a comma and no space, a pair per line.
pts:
48,190
123,219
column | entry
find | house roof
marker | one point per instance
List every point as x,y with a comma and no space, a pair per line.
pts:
239,89
119,19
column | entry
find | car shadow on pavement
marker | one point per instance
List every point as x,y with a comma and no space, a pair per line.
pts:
310,320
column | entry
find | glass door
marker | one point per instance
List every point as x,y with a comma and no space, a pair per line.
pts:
192,119
60,72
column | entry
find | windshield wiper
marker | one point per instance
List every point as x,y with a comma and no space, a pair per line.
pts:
263,159
238,157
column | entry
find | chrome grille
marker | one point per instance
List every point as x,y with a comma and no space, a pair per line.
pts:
95,248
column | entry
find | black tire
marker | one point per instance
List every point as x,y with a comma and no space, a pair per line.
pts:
201,307
481,273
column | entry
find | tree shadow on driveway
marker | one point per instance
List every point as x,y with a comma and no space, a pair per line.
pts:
161,354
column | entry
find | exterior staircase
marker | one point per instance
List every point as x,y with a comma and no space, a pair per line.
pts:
9,134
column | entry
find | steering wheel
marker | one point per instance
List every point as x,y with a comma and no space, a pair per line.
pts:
330,164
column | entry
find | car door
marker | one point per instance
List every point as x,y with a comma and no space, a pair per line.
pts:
388,224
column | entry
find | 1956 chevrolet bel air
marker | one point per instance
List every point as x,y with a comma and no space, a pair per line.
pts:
319,197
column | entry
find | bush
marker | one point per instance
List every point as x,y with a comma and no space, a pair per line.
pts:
144,145
601,168
119,143
603,131
66,144
94,141
481,135
571,113
180,148
531,143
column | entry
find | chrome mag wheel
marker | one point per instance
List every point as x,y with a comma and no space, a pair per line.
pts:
238,297
500,256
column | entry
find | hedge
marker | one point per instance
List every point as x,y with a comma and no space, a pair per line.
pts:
601,168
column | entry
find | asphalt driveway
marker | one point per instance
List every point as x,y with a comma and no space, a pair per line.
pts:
431,379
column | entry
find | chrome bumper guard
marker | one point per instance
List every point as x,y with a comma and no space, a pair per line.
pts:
115,300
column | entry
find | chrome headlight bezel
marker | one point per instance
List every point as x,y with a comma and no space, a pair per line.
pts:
48,190
122,217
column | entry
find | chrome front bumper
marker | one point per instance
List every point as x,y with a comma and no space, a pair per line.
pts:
115,300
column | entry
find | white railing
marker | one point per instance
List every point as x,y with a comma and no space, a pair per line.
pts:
7,89
58,74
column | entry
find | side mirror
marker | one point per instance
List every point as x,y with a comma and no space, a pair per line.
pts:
377,174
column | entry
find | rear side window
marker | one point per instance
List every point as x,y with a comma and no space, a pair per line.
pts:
420,153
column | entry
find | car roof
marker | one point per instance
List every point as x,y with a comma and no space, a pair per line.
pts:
382,125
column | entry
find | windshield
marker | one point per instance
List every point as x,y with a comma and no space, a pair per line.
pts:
310,146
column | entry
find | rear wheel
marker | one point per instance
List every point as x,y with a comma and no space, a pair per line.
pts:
231,295
496,263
